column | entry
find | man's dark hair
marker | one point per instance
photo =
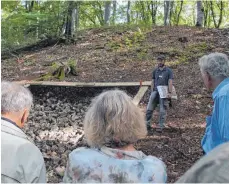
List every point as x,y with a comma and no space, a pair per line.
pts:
161,58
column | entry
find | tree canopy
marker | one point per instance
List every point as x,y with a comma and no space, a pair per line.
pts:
26,22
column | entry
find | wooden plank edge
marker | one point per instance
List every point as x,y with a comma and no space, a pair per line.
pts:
84,84
140,94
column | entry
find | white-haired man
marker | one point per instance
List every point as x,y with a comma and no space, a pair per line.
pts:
215,73
22,161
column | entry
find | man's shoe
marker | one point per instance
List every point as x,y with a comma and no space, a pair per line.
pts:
149,128
159,129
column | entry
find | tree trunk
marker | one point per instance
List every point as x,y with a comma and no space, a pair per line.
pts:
68,28
143,11
37,28
73,22
107,12
38,19
114,11
167,12
154,11
178,16
200,14
77,23
170,11
128,12
209,16
26,5
213,14
221,6
100,14
75,18
31,6
206,12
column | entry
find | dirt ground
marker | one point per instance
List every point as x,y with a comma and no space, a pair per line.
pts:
179,145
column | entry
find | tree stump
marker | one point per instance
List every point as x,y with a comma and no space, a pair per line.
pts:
60,70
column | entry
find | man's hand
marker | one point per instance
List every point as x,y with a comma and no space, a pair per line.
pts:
169,95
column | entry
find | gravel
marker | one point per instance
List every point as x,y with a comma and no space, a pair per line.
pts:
56,123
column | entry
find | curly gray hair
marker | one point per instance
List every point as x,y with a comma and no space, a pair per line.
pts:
215,64
14,97
113,117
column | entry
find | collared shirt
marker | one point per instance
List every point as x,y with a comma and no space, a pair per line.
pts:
9,121
161,77
21,160
107,165
217,127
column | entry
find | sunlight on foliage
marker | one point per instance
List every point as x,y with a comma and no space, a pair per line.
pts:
28,22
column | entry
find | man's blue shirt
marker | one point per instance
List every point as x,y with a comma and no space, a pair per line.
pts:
217,128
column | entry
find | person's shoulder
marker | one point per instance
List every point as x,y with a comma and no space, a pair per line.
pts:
155,69
169,69
83,155
224,91
83,151
154,161
27,146
220,152
18,142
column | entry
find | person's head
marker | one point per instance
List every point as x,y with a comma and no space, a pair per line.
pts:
112,118
16,102
161,61
214,69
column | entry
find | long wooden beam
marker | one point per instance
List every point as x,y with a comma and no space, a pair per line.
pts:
83,84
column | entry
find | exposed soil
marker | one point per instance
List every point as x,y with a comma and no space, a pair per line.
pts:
97,59
179,145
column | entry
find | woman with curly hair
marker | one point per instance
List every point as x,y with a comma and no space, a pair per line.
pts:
112,125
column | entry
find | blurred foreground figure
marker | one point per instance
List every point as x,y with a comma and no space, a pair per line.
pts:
212,168
21,160
112,125
215,73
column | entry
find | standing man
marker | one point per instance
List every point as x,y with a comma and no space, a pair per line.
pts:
21,160
161,76
215,73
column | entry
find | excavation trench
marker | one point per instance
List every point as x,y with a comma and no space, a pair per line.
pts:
56,122
56,127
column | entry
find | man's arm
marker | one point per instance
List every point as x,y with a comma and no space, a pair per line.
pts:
222,116
32,166
170,86
42,177
152,85
153,80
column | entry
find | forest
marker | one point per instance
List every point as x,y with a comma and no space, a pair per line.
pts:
28,22
68,52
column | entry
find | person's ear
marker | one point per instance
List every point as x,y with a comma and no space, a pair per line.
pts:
209,80
24,117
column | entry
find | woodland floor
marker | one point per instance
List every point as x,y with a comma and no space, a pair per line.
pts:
98,61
